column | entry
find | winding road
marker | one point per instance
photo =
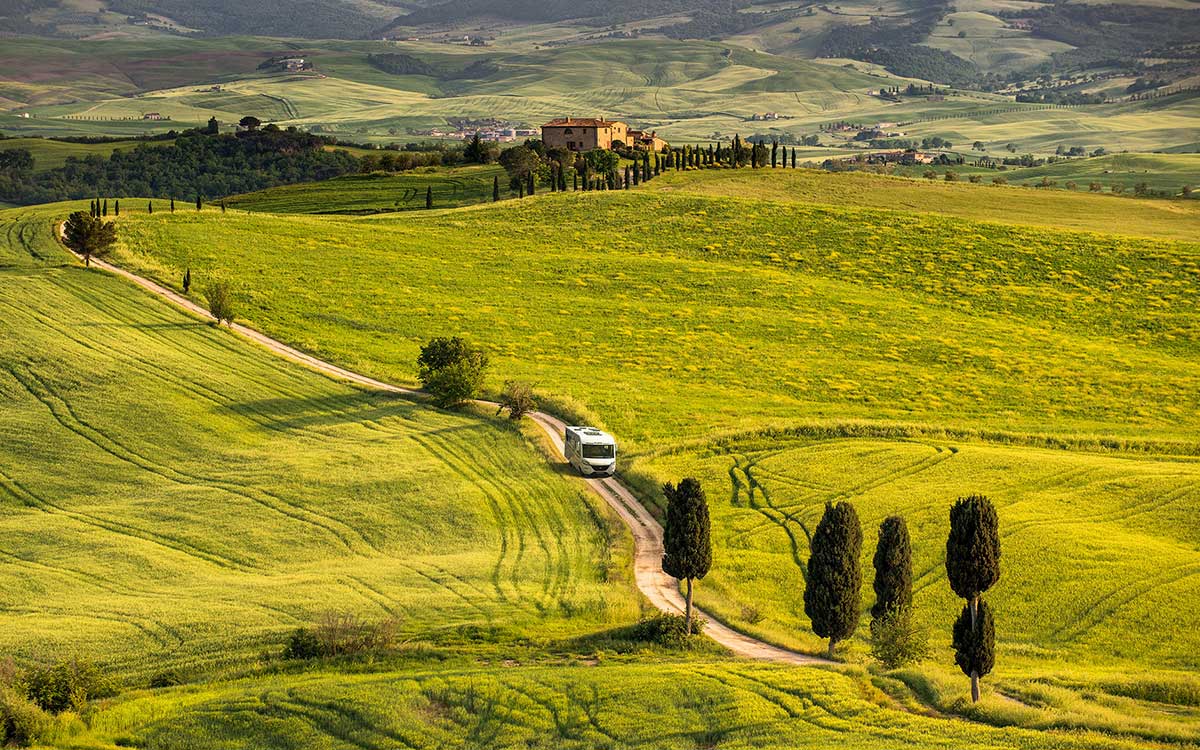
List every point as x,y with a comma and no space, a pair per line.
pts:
660,589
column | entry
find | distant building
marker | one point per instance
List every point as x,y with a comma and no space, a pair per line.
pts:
587,133
152,116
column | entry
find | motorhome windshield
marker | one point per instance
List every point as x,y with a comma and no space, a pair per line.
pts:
597,451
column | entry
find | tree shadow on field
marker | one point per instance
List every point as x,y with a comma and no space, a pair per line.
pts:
176,326
328,410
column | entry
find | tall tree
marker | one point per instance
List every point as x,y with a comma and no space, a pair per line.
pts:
187,280
975,644
893,568
117,207
149,207
687,548
429,196
88,235
531,184
973,560
104,210
172,205
199,202
832,593
496,188
774,153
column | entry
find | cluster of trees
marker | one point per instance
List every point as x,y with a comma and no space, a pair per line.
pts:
400,64
1052,96
833,582
833,579
197,163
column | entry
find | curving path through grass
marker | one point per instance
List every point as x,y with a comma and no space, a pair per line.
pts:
662,590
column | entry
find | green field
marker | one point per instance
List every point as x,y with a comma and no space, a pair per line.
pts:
48,154
1054,209
221,497
690,91
379,192
250,495
776,349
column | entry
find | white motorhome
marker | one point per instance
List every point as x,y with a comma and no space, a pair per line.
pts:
592,452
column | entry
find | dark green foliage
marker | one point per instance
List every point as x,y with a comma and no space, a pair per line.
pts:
210,166
671,631
896,640
104,211
167,678
975,647
116,208
172,205
518,398
88,235
302,644
687,546
22,722
220,302
429,197
893,568
832,593
65,685
149,207
478,151
973,547
199,202
187,280
452,370
495,189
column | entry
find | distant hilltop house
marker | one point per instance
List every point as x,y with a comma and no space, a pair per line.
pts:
587,133
153,116
286,64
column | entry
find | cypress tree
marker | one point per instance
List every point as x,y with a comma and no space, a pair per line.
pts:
172,205
495,189
831,596
187,280
657,166
736,156
975,644
117,207
793,157
520,188
636,173
553,177
531,187
774,152
973,567
687,548
893,568
429,196
222,206
574,181
149,207
199,203
104,211
562,178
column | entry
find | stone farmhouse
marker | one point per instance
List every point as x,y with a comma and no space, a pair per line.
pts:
587,133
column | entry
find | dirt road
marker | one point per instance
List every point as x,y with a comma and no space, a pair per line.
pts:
661,589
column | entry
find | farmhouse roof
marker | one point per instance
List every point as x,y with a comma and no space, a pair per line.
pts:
580,122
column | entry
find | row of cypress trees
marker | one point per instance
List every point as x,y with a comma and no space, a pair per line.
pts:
737,154
99,207
833,578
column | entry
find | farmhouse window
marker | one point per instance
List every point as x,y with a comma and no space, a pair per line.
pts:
568,131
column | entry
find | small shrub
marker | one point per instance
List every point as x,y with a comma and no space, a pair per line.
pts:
167,678
65,685
999,180
220,302
667,630
975,179
752,614
517,397
302,644
340,634
897,641
22,723
951,177
930,174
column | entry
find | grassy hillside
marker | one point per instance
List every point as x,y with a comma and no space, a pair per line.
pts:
693,91
1054,209
379,193
248,495
49,154
789,354
173,497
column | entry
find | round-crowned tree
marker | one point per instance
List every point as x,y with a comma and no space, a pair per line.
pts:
973,567
832,594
